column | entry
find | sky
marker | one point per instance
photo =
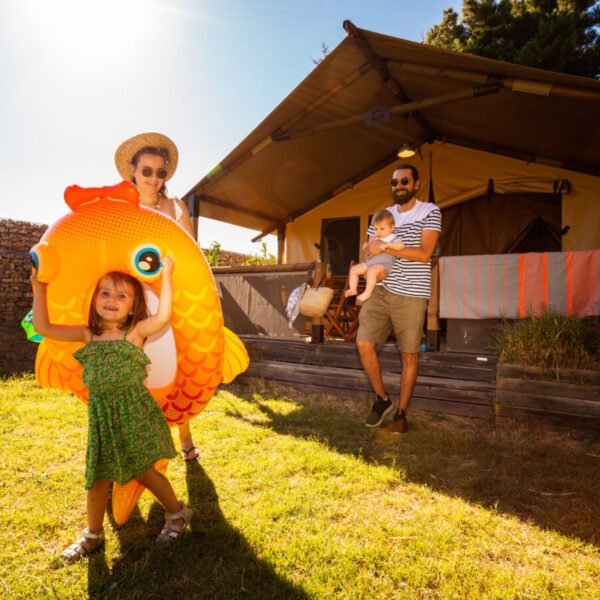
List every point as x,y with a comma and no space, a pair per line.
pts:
78,77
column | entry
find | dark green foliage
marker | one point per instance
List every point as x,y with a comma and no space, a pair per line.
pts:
558,35
552,341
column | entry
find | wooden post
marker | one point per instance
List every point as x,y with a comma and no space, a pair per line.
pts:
280,243
433,308
317,323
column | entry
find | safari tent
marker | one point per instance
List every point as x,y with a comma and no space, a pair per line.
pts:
510,153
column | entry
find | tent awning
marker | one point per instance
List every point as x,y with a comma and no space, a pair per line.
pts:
348,118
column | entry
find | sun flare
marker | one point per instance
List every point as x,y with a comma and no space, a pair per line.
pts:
80,34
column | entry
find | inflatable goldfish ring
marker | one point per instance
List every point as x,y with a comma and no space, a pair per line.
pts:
108,230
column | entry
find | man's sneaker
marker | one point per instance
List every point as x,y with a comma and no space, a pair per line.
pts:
379,410
399,423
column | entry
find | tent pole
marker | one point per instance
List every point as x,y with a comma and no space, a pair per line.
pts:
334,90
280,243
432,338
317,326
386,77
514,84
401,109
234,208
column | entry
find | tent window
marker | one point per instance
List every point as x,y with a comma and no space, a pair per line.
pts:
503,224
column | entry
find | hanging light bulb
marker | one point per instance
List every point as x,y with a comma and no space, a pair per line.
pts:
406,150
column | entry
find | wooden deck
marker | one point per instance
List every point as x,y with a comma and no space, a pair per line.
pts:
449,382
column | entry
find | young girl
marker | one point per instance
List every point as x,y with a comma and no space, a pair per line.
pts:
376,267
127,431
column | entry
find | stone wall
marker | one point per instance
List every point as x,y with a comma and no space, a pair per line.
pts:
231,259
17,354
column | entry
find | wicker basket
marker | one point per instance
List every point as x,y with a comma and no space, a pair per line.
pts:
315,301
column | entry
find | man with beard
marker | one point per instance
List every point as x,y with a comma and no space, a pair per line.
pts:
399,302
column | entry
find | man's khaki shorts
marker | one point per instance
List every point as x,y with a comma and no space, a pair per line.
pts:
385,312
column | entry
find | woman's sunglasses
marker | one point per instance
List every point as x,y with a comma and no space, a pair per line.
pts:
403,181
160,173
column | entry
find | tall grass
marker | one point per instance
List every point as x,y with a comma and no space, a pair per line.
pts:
551,341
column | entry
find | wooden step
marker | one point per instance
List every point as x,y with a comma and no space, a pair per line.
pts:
454,396
520,394
433,364
449,382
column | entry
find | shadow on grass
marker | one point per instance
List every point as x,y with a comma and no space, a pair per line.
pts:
211,561
543,477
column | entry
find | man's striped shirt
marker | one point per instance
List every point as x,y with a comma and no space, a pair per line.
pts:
409,277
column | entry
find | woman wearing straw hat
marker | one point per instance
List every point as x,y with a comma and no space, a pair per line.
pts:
149,160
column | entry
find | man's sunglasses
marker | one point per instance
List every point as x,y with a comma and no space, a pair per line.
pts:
403,181
160,173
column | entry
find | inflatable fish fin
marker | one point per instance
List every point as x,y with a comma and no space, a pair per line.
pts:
76,196
125,497
235,359
53,373
46,370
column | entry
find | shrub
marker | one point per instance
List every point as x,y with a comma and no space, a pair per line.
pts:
262,257
213,254
551,341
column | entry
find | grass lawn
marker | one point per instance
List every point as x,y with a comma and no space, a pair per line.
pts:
295,498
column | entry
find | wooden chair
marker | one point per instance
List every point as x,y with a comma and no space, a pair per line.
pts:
341,318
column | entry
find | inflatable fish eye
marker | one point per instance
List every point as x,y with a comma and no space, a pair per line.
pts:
146,261
35,261
45,261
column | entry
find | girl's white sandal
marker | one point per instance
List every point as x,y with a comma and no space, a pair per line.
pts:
90,542
172,530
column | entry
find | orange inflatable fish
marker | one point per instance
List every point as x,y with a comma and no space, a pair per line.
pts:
108,230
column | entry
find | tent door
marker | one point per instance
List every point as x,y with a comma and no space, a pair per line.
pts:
340,240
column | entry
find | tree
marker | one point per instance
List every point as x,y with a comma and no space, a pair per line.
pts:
324,53
558,35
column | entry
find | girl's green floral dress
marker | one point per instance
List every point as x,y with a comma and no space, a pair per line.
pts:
127,430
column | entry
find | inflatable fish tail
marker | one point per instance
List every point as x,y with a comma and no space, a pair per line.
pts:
125,497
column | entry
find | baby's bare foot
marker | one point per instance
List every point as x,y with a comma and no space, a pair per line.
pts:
349,293
362,298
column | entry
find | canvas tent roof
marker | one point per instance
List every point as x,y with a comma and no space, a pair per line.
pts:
345,122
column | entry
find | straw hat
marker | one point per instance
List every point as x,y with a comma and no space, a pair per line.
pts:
127,150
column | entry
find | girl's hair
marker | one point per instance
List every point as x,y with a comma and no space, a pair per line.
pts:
139,310
384,216
153,151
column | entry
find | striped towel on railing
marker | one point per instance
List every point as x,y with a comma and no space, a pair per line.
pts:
515,285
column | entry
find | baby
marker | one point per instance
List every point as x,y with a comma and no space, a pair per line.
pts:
376,267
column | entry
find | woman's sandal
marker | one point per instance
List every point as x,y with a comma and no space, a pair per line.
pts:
172,531
90,542
185,454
